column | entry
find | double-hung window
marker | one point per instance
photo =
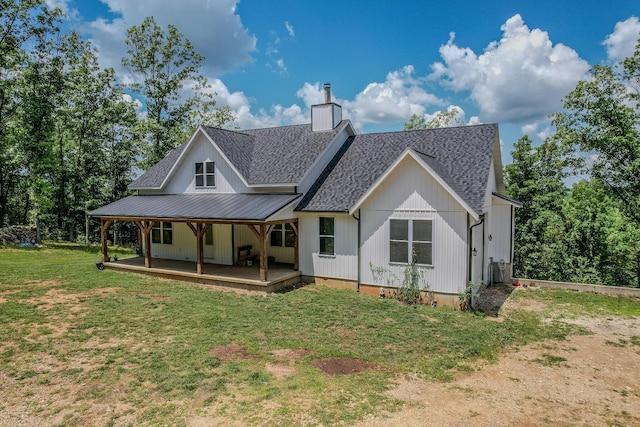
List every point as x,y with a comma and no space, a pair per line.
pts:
205,174
162,232
327,236
411,239
283,235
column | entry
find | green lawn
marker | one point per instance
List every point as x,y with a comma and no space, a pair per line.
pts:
80,345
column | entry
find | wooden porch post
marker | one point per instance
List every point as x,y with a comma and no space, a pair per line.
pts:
263,253
145,227
296,246
199,231
104,227
262,239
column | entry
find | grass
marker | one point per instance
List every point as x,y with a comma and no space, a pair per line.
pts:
77,339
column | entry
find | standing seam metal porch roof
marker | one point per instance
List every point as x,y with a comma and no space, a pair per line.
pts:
210,206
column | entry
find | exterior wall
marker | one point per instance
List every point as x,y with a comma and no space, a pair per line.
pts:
183,245
201,149
243,236
342,265
410,192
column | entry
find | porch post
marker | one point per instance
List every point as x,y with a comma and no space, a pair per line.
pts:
104,227
296,246
146,230
263,253
199,230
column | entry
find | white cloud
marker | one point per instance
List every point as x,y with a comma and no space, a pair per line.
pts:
213,27
394,100
523,77
289,28
622,42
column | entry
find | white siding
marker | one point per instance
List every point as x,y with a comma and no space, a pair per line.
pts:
410,192
183,246
500,231
342,265
243,236
201,150
325,116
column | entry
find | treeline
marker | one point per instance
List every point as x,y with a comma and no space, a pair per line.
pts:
71,136
590,233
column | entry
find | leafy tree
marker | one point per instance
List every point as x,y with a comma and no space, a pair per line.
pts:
442,119
166,69
21,22
602,119
535,179
601,244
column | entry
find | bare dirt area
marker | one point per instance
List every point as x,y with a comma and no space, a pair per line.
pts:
584,380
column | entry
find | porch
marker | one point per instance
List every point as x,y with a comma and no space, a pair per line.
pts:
225,276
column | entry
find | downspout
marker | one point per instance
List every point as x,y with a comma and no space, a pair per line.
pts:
471,252
471,243
358,253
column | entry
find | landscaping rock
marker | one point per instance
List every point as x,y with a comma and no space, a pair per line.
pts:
16,235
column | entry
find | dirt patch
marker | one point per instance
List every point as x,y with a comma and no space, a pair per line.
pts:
493,298
584,380
342,365
286,360
232,353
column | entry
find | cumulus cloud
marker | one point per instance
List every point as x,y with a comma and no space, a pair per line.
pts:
213,27
621,43
394,100
520,78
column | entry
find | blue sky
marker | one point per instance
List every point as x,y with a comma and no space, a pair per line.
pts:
509,62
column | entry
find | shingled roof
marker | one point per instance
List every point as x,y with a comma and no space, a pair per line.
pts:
280,155
461,156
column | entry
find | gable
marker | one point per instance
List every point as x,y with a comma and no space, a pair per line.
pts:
463,155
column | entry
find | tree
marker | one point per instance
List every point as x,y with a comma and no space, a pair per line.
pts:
602,120
601,244
535,179
21,22
166,68
442,119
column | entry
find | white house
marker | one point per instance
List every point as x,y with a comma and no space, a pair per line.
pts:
340,208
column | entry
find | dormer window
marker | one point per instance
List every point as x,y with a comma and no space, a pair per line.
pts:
205,174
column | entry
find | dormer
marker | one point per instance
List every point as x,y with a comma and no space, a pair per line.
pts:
325,116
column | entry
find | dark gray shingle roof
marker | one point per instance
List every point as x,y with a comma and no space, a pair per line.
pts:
210,206
461,156
280,155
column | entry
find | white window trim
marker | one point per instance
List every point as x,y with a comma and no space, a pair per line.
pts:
410,241
333,236
160,225
205,175
283,231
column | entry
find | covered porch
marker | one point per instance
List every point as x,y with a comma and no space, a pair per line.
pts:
240,277
259,213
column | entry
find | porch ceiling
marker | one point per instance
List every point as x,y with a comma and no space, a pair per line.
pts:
210,206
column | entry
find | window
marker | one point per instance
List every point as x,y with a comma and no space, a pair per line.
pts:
206,174
283,235
162,232
208,235
411,238
326,236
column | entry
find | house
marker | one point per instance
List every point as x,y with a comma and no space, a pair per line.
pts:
325,204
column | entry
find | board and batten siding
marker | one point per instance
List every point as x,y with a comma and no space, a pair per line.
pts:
410,192
202,150
500,231
243,236
344,263
184,248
